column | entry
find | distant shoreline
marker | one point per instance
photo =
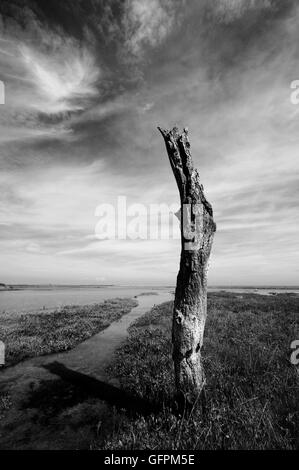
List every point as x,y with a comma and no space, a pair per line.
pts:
14,287
18,287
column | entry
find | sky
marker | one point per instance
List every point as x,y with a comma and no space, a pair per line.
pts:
87,82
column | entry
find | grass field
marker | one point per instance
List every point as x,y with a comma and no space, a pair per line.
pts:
252,388
30,335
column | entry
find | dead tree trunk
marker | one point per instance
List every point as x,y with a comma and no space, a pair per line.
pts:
190,304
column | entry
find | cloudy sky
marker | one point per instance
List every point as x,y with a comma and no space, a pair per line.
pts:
87,82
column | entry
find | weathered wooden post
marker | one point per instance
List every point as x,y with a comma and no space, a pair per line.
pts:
190,304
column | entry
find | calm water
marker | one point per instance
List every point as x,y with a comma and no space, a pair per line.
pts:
39,298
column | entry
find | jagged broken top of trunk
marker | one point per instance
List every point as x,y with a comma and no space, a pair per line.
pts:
187,177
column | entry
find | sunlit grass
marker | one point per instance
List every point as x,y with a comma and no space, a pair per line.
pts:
252,388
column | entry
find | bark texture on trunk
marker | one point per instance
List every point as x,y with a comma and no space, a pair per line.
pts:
197,232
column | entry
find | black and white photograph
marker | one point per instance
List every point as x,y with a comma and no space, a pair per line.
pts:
149,228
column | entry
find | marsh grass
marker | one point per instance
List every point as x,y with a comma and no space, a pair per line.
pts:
252,388
36,334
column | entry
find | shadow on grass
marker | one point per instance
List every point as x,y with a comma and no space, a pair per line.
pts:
91,387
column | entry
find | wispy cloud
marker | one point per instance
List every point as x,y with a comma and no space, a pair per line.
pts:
64,80
47,81
147,23
230,10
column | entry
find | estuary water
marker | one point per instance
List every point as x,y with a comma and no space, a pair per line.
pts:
31,299
48,298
